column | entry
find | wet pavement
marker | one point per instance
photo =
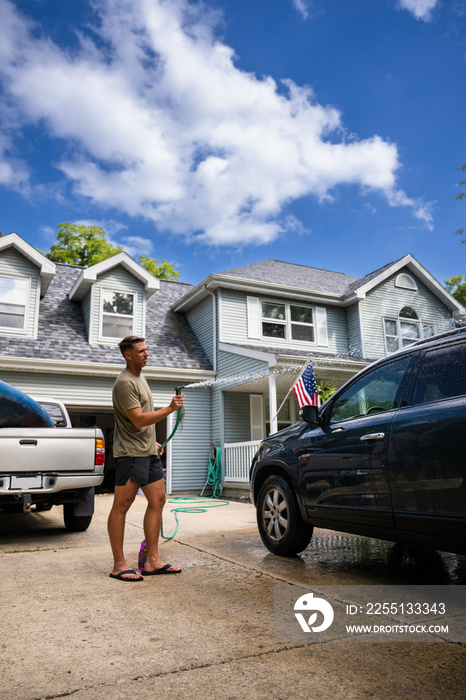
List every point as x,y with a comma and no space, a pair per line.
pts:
67,629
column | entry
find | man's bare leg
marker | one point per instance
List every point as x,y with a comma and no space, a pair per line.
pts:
123,498
155,494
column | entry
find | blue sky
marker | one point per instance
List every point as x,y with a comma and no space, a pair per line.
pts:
321,132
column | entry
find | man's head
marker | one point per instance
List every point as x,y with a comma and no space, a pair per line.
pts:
134,350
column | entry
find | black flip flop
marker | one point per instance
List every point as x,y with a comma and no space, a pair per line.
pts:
121,575
160,572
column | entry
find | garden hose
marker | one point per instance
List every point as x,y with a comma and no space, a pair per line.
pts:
200,505
214,474
177,422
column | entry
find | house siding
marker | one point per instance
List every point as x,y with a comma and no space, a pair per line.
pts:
354,331
200,318
191,443
119,280
234,326
386,300
13,264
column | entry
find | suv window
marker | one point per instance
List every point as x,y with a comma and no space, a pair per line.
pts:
373,393
442,374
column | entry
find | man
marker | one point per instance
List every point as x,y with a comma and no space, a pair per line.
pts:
137,464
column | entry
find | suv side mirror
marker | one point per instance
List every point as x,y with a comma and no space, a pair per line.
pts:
310,414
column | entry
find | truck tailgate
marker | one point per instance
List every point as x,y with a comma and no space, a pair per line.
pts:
47,449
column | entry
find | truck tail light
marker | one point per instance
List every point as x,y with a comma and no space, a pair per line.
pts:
99,451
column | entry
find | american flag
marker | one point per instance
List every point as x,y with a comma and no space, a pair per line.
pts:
305,388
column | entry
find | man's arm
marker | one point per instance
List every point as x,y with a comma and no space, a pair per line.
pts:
141,420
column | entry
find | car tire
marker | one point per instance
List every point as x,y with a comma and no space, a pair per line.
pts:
281,527
75,523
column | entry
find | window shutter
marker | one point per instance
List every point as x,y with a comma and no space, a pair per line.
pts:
321,325
254,317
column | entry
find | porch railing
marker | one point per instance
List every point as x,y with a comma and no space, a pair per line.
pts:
238,458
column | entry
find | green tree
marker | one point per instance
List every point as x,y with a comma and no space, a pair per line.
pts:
456,285
81,245
163,270
88,245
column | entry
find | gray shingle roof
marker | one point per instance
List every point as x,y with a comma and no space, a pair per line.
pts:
372,275
311,278
62,334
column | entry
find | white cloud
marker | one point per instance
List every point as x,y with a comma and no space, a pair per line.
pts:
303,7
421,9
137,245
13,171
156,121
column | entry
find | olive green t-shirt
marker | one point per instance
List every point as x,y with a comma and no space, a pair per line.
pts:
131,391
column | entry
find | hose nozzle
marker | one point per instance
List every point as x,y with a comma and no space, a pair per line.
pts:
178,389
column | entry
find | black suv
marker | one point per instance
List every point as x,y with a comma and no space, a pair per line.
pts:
385,456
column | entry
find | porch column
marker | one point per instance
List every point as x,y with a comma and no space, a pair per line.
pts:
273,404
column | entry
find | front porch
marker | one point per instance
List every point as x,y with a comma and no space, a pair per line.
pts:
260,407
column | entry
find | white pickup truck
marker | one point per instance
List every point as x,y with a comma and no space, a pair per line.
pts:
52,466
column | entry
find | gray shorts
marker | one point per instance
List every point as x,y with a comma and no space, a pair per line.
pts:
140,470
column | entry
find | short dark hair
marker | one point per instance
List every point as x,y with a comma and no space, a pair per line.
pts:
129,342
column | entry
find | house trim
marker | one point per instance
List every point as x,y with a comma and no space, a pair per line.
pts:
100,369
89,275
46,267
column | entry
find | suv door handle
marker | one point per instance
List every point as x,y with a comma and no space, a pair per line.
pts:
28,442
373,436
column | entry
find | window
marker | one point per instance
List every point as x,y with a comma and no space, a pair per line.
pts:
117,314
286,415
14,293
375,392
405,330
406,281
287,321
442,375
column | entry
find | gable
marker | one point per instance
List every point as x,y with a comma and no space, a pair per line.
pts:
387,299
19,294
121,282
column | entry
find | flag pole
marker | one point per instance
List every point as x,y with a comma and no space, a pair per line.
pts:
291,387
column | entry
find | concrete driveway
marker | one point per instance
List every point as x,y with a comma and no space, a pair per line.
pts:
68,629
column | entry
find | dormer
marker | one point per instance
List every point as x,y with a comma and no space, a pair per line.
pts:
113,294
25,275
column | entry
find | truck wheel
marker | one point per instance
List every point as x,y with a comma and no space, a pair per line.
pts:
281,527
75,523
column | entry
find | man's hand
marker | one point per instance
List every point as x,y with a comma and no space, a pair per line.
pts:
177,402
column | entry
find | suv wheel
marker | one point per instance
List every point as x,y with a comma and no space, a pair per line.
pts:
281,527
